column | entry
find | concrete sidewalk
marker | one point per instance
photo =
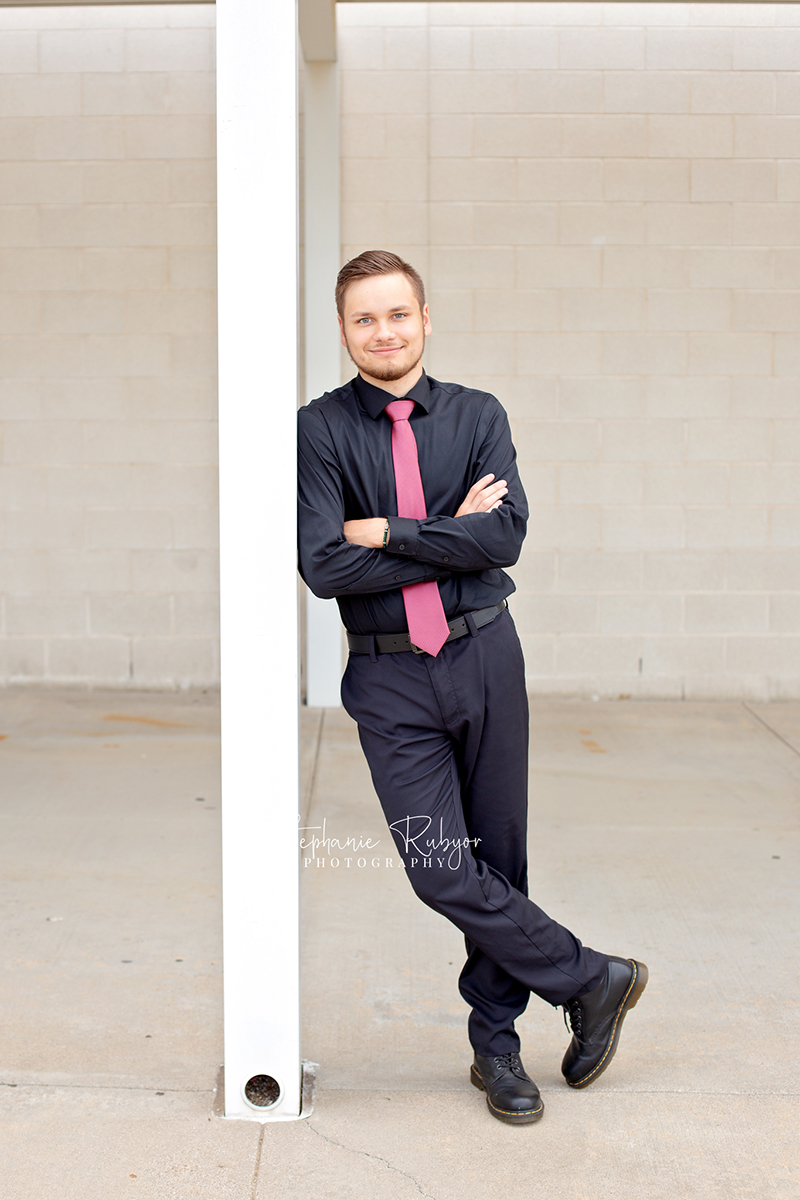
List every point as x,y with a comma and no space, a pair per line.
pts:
663,830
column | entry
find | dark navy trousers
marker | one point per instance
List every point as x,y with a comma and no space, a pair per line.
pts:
446,740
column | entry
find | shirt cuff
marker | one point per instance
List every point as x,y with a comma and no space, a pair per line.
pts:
403,533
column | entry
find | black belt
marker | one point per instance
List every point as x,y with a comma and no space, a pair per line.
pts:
393,643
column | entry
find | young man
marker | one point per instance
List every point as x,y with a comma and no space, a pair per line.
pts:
410,507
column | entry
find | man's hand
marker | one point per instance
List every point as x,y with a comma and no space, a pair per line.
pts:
483,496
367,533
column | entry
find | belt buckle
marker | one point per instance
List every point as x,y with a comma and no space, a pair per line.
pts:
416,649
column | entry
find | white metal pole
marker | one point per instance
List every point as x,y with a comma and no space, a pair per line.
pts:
321,243
258,289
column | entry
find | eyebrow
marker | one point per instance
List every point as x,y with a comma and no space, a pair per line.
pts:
394,308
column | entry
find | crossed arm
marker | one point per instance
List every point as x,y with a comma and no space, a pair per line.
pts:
483,496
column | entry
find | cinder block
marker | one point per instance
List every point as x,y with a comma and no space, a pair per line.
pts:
142,268
193,354
43,442
192,181
601,483
192,268
683,655
786,441
450,49
784,614
646,179
762,398
768,311
171,399
82,225
17,135
602,224
686,483
723,613
735,179
686,309
784,527
640,614
515,49
730,354
689,50
386,179
78,486
406,15
557,441
564,528
19,51
690,136
581,397
766,224
62,50
449,135
168,50
535,572
559,266
723,528
452,310
173,485
559,614
687,397
787,354
170,312
406,49
45,355
462,92
733,92
559,91
78,138
735,267
558,353
21,659
20,226
474,353
88,571
196,529
386,92
773,655
601,49
168,137
130,615
41,183
134,529
363,135
644,353
128,182
688,224
83,399
480,267
645,92
45,615
359,221
643,441
22,486
788,181
191,93
361,49
33,270
539,653
39,95
767,137
643,529
728,441
517,311
787,97
745,14
599,571
176,661
609,308
765,483
515,224
766,49
174,570
169,225
604,136
763,571
23,573
597,656
89,659
560,179
20,399
683,571
20,312
196,614
645,266
550,12
120,94
516,136
127,354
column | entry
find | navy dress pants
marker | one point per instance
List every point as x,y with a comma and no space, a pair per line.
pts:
446,740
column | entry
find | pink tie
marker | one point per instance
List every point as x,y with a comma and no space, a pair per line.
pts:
427,624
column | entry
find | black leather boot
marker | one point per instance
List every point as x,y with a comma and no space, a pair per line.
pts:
596,1020
510,1094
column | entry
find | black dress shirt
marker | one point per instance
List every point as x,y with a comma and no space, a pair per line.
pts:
346,473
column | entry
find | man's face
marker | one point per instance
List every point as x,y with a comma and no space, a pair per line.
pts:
382,327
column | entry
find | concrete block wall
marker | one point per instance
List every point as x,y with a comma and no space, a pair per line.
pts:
605,202
108,531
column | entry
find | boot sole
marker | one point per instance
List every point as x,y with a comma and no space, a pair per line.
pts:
526,1117
635,988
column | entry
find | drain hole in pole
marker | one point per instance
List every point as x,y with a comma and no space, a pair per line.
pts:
262,1090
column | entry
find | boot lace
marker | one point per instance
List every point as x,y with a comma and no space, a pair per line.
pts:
574,1011
507,1062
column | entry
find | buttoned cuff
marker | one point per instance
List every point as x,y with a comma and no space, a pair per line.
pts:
403,534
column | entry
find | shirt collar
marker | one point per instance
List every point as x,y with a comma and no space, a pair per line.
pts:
375,399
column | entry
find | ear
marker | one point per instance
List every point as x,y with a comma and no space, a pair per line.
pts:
427,328
342,338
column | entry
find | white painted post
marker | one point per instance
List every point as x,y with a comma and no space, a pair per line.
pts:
321,242
258,288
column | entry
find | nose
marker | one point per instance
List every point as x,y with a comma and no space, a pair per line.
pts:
384,332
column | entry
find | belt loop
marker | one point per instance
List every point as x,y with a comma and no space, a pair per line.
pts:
471,626
373,654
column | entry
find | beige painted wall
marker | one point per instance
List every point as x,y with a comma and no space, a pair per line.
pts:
605,200
108,562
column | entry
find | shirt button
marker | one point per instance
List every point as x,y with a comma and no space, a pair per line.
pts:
402,546
446,558
398,576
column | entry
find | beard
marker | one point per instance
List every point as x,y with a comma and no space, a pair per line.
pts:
388,369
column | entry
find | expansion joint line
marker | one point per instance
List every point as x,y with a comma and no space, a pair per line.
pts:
769,729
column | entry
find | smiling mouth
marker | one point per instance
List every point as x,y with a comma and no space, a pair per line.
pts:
387,350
